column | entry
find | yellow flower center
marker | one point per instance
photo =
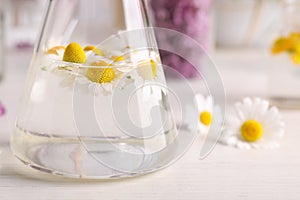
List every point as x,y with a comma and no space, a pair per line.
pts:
251,130
74,53
205,118
101,75
94,49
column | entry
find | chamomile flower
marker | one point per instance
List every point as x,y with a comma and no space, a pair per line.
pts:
289,45
253,125
103,79
74,53
205,110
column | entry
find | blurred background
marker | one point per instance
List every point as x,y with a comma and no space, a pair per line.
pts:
20,22
220,26
219,23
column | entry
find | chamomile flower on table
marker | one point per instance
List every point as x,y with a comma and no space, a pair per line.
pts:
205,109
254,124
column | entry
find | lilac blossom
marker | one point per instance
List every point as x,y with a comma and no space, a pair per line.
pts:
190,17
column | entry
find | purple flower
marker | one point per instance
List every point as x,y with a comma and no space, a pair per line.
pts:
190,17
2,110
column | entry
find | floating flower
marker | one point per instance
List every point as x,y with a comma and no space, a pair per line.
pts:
2,110
100,75
253,125
97,71
106,87
205,109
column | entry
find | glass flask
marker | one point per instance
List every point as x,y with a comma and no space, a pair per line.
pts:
95,103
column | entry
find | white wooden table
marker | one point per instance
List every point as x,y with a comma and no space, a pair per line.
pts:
227,173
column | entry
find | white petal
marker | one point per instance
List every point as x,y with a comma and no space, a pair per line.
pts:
241,113
116,53
240,145
228,140
82,81
247,108
271,116
254,107
203,129
261,110
247,101
125,69
107,87
209,103
200,101
254,145
274,134
233,122
232,140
